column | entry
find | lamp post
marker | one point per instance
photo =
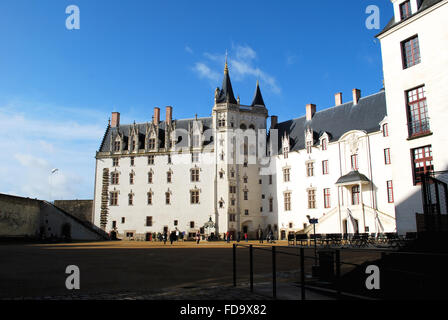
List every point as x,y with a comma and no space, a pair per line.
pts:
314,221
49,179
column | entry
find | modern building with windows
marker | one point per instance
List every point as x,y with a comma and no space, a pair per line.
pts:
415,73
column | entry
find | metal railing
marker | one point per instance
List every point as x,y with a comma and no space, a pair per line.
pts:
338,263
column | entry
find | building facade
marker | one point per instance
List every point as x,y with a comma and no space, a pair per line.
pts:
414,46
176,175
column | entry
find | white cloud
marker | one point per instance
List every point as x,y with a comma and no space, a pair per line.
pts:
35,142
204,71
242,65
188,49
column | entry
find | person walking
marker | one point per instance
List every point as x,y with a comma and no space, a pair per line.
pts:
227,237
164,237
246,237
198,237
260,235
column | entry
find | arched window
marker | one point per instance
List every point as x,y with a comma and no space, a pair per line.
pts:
355,195
243,126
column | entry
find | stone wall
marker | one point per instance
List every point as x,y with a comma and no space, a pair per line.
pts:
81,209
19,217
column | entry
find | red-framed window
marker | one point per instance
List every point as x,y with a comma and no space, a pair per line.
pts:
405,10
115,178
325,167
422,162
131,199
327,198
411,52
390,191
385,130
355,195
131,178
324,144
354,161
387,156
418,120
113,196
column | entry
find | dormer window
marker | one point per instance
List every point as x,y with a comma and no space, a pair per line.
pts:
152,144
324,144
405,10
309,146
117,146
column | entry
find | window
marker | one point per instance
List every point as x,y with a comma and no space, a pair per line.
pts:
270,179
221,204
195,157
232,189
167,198
411,52
117,146
115,162
287,198
150,176
246,195
260,181
114,224
325,167
311,199
405,10
285,152
385,130
131,178
232,217
221,123
324,144
423,162
113,198
271,204
354,160
175,222
149,221
246,212
221,175
133,145
150,160
309,146
327,199
390,192
245,179
194,196
418,120
191,224
169,159
245,164
286,174
291,225
355,195
232,174
115,178
123,220
132,161
310,169
169,177
232,202
149,194
387,156
195,175
151,144
130,199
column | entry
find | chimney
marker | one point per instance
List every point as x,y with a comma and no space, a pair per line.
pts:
169,115
356,96
274,121
310,111
115,123
338,98
156,115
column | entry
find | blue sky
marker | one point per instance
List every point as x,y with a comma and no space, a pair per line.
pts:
58,86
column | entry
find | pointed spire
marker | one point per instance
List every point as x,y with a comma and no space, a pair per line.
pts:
226,93
258,98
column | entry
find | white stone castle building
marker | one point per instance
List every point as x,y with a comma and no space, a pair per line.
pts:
342,165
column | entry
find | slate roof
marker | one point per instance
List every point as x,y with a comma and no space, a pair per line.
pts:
226,92
336,121
258,98
126,131
425,4
352,176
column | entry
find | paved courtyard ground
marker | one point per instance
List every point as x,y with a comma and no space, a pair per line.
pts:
144,270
